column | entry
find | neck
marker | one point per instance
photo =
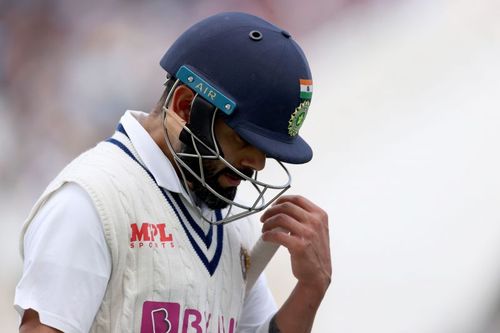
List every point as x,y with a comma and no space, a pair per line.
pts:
153,124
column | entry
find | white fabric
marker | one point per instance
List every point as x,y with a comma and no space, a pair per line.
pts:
258,305
62,257
151,155
65,251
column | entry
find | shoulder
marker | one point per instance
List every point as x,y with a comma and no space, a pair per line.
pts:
64,249
68,210
103,169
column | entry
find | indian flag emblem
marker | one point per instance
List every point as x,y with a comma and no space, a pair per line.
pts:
306,89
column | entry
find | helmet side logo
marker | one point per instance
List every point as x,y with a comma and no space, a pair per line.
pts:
297,118
306,89
205,89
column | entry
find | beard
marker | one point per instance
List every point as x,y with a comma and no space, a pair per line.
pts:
212,172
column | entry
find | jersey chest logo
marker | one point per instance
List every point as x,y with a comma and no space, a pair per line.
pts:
152,235
169,317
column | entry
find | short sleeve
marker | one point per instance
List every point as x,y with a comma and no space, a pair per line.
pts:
258,309
67,263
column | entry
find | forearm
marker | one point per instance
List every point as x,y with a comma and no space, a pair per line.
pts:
298,312
302,227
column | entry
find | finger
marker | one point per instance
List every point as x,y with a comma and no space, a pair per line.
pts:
282,238
287,208
289,224
300,201
308,213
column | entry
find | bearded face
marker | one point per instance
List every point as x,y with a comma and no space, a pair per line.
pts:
213,171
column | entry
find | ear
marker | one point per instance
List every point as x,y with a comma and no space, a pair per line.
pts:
181,102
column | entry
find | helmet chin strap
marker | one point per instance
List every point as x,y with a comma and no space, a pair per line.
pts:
199,134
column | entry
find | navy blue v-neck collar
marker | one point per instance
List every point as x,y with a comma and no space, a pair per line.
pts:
174,200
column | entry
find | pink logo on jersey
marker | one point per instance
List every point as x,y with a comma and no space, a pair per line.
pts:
160,317
167,317
150,235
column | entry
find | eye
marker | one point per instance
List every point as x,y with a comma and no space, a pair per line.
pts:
238,141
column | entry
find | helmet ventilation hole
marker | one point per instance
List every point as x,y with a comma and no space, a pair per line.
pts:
255,35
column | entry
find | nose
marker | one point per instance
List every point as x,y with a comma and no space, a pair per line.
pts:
253,158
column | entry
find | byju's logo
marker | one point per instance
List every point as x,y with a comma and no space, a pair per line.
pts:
160,317
150,235
168,317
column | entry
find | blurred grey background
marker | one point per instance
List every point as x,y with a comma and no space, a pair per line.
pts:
404,122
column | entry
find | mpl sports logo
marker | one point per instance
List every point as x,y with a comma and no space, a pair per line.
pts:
167,317
150,235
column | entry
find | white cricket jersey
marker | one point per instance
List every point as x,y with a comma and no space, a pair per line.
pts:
67,261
